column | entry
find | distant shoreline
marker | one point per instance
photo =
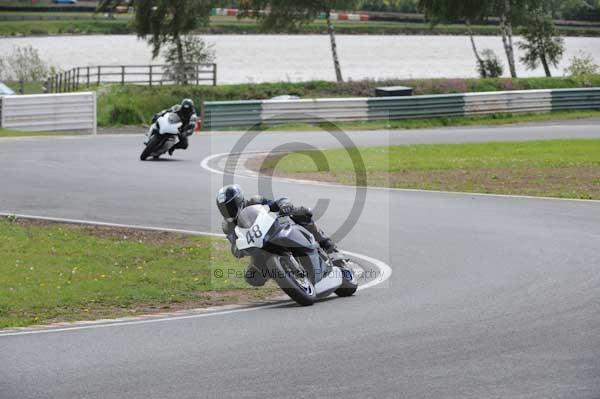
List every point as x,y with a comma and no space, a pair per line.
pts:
78,27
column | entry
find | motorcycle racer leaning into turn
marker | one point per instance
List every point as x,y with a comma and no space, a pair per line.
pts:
187,114
230,201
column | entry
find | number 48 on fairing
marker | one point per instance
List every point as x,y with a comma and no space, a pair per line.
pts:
253,233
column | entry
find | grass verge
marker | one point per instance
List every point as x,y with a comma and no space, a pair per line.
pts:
134,104
554,168
54,272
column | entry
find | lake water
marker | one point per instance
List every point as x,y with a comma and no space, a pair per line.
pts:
262,58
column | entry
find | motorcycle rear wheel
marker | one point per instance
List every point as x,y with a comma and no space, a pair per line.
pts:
293,279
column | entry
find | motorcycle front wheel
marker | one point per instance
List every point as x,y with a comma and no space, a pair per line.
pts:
293,279
151,147
349,285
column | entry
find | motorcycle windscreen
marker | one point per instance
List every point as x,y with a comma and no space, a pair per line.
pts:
169,124
253,224
248,215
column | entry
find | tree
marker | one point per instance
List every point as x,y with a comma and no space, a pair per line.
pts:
283,15
437,11
490,65
509,12
541,44
166,21
195,53
23,65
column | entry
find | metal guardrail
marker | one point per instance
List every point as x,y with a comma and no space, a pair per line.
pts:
150,75
245,114
50,112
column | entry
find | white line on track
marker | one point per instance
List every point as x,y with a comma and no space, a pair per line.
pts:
385,272
253,175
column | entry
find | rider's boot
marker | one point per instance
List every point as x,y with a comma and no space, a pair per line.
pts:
324,241
255,276
328,245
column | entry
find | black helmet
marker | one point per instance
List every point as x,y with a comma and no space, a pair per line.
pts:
187,105
230,201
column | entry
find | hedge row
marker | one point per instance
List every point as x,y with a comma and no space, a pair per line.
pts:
132,105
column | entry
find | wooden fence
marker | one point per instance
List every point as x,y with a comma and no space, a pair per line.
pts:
150,75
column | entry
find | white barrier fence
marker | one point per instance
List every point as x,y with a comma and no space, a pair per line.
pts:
50,112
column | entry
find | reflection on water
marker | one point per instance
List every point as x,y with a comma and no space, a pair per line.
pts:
259,58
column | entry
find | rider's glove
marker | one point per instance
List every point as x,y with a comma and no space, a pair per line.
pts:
302,211
236,252
286,209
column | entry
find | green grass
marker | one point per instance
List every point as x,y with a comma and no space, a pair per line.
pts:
86,26
421,157
58,272
98,24
28,88
133,104
555,168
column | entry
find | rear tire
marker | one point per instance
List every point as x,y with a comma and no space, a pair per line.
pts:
150,147
294,281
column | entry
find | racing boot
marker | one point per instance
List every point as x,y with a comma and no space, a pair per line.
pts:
255,276
324,241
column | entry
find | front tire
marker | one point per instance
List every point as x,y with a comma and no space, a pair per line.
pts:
294,280
150,147
349,285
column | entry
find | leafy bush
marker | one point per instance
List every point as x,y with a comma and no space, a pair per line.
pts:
490,65
125,115
194,52
23,65
582,65
133,104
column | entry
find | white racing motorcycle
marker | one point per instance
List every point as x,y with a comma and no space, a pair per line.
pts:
164,135
289,254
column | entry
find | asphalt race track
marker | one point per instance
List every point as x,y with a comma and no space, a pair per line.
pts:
490,296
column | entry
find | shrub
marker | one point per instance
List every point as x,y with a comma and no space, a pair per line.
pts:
194,52
134,104
490,65
582,64
125,115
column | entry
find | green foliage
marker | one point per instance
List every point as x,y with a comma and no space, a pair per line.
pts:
282,15
165,21
582,65
133,104
402,6
455,10
195,52
23,65
541,44
490,65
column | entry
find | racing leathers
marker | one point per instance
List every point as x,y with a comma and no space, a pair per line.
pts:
300,215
